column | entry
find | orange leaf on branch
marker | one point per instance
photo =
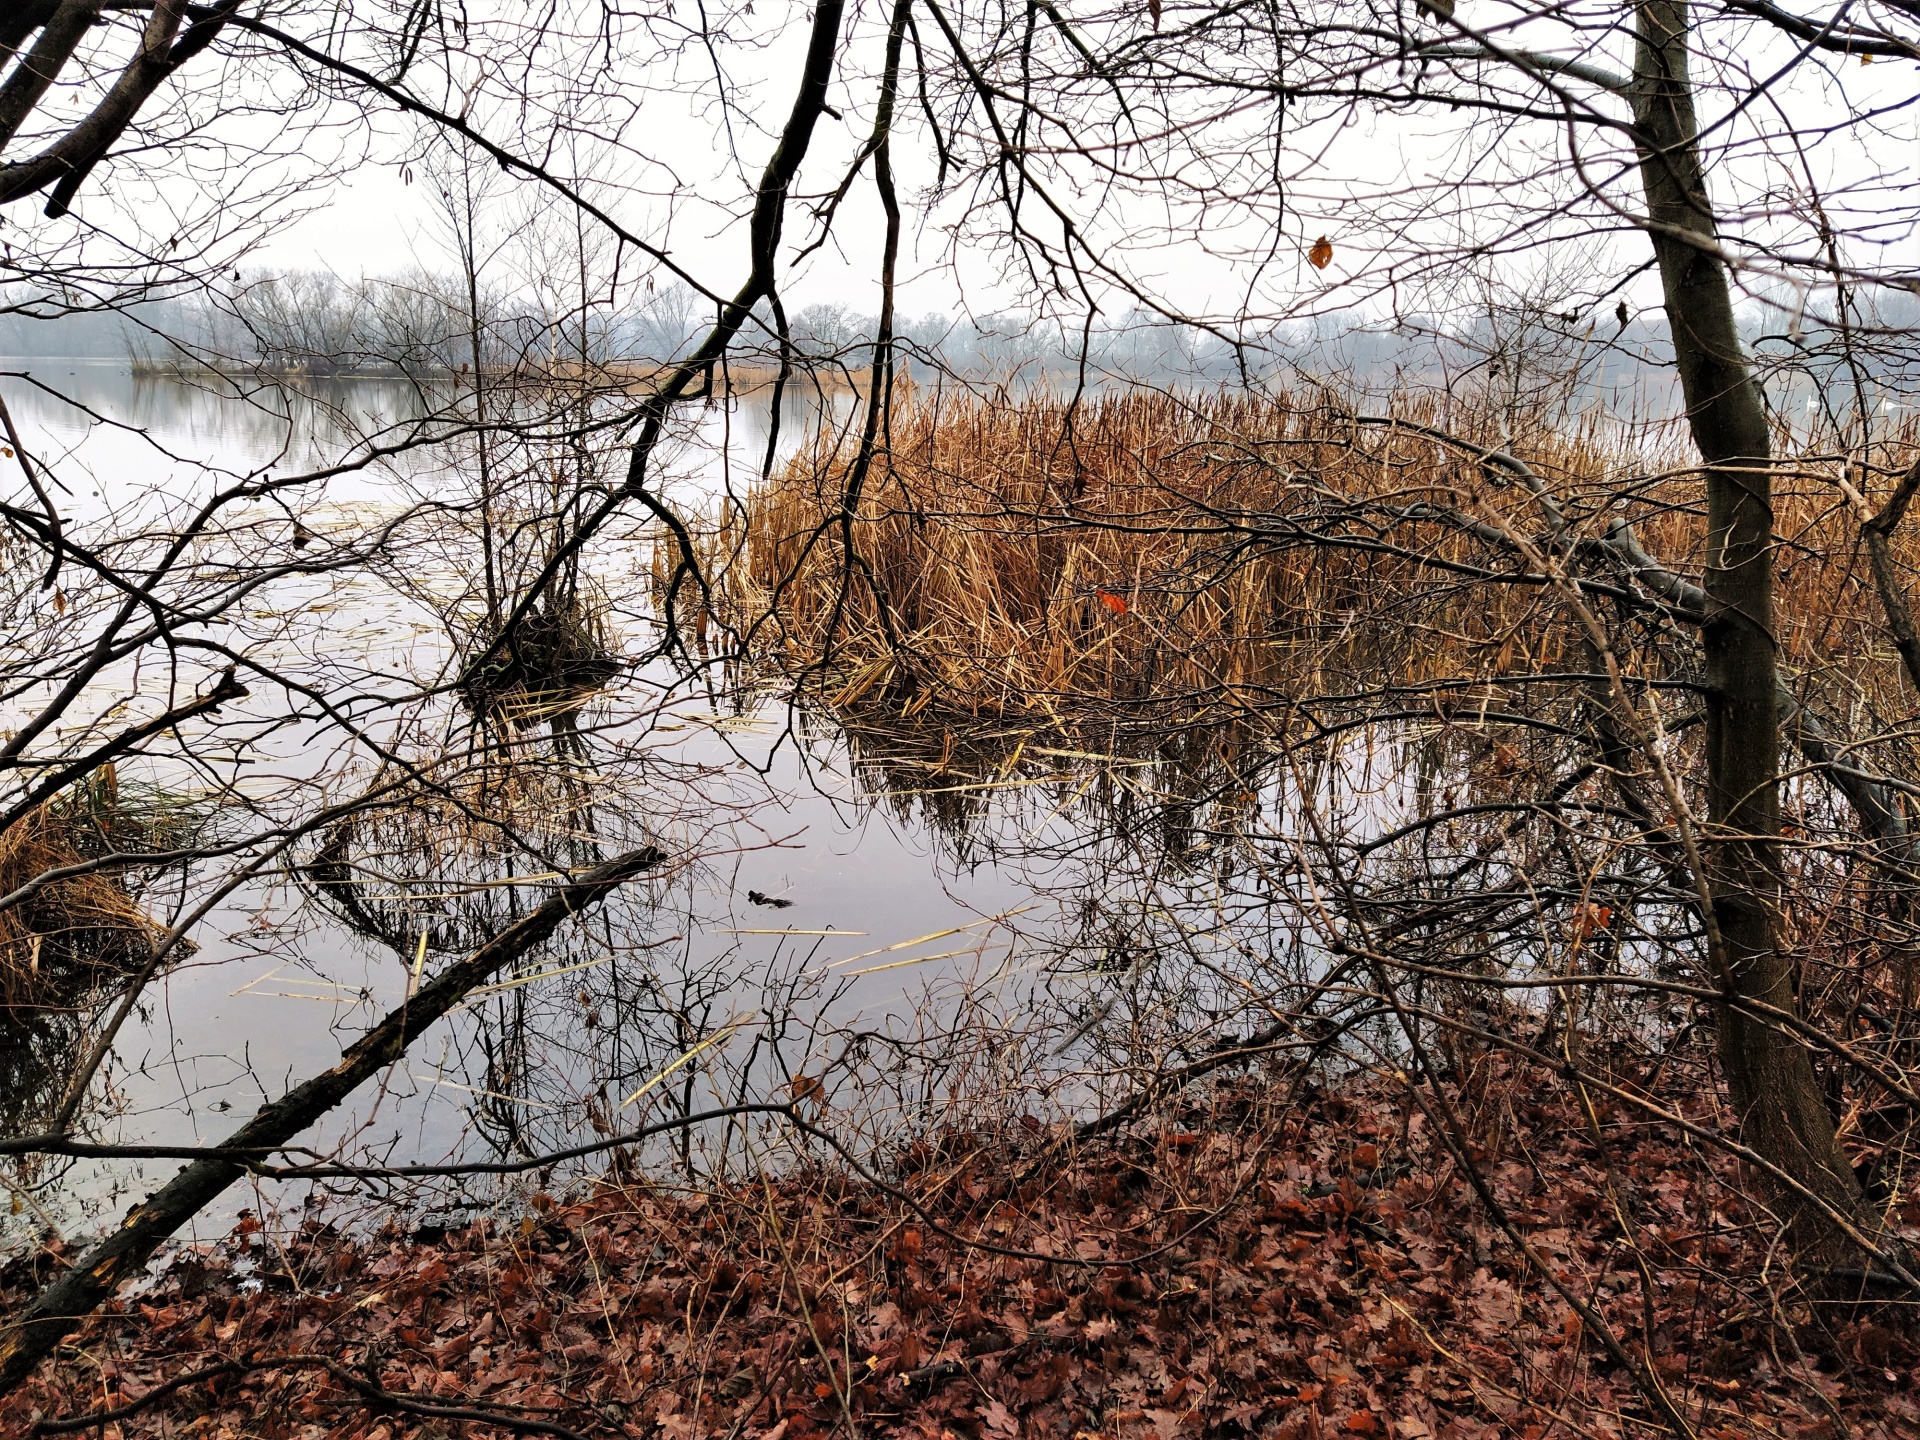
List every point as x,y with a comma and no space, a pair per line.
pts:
1590,918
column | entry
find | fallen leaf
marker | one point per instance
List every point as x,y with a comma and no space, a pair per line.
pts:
808,1087
1590,918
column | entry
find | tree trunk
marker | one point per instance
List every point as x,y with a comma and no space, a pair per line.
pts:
1770,1078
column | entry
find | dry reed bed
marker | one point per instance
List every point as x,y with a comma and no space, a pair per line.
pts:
69,935
1195,555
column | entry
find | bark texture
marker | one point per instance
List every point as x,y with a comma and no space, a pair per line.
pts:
1770,1077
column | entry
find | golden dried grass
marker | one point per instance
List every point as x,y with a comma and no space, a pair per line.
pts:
1180,557
71,934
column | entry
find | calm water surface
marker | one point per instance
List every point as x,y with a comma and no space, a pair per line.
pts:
919,910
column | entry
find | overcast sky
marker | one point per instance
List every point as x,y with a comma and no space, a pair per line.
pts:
681,173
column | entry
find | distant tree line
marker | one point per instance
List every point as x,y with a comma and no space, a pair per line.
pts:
1516,348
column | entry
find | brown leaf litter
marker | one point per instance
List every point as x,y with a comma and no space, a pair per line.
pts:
1272,1260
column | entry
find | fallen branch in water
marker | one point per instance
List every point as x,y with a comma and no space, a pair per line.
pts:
53,1313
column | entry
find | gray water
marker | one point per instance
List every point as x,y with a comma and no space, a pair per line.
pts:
938,933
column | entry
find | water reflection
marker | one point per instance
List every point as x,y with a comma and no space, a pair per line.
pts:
209,418
910,918
1170,790
92,414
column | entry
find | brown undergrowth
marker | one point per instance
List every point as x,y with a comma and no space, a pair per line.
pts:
73,933
68,941
1181,554
1268,1259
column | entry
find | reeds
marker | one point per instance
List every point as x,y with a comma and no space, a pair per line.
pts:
70,934
1173,558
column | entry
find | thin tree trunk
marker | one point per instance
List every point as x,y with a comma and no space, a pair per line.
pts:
1770,1078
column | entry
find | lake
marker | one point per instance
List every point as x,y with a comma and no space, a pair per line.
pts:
893,935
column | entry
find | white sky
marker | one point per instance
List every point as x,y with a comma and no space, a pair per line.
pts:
687,189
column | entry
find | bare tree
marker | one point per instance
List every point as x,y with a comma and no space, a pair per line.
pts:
1071,151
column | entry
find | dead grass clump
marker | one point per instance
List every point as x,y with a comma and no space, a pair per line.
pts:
547,665
100,815
69,935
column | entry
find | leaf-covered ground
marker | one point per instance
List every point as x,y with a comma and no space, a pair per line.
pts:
1265,1262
